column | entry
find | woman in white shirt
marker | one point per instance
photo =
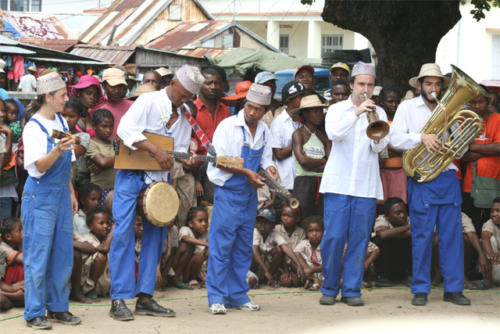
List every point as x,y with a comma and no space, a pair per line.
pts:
48,205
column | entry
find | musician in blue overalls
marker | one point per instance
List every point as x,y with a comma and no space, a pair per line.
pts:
435,206
48,205
159,113
235,202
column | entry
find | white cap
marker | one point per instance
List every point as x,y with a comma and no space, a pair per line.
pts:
49,83
190,78
363,68
259,94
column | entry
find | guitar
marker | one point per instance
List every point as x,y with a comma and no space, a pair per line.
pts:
144,160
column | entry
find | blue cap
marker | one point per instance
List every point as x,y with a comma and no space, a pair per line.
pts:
267,214
263,77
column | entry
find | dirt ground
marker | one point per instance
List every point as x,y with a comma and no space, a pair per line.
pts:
386,310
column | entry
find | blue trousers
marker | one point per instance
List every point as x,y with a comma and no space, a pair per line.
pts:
437,204
47,250
347,219
128,185
230,245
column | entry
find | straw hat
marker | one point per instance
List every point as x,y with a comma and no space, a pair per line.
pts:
49,83
309,102
32,68
429,70
163,71
114,76
144,88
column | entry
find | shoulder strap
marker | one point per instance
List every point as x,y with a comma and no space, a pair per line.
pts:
62,122
40,125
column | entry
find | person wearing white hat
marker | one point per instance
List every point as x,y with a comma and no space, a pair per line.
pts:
157,112
27,83
47,209
166,76
235,202
435,203
351,186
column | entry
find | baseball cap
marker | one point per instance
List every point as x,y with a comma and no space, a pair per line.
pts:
267,214
114,76
303,67
343,66
263,77
292,89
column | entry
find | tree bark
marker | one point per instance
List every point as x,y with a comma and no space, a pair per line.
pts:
404,34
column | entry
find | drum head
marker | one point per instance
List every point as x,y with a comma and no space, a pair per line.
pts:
160,203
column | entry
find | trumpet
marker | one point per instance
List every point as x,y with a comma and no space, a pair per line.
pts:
279,190
60,135
377,129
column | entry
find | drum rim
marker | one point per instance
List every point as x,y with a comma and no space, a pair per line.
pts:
152,219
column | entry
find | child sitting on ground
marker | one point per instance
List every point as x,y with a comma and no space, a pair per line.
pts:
89,196
11,263
490,238
288,228
309,254
101,154
193,249
269,248
93,249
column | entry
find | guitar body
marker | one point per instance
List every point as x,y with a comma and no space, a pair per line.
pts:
140,159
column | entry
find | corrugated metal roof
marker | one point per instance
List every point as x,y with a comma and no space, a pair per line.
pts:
115,55
200,52
131,18
7,41
36,25
15,50
53,44
69,61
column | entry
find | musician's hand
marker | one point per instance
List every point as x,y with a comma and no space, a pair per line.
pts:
65,144
163,158
199,189
273,172
366,106
431,142
255,179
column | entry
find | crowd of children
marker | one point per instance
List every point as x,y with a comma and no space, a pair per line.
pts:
286,240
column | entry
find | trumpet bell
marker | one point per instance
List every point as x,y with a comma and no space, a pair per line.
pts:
377,130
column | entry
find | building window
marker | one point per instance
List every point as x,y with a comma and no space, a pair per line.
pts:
36,5
21,5
284,39
330,43
174,12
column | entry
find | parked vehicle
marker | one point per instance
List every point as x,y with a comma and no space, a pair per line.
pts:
321,78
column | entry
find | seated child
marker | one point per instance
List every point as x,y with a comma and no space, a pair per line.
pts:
193,249
309,254
490,238
11,264
13,121
269,248
393,237
89,196
288,228
92,250
472,246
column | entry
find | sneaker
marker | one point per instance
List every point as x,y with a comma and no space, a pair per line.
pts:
151,307
352,301
419,299
217,309
250,306
327,300
456,298
65,318
39,323
119,311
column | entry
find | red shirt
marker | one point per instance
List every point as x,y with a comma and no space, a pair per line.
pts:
487,166
207,122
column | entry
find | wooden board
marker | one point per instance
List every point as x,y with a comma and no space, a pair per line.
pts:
140,159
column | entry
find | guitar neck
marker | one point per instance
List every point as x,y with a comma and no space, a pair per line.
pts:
183,155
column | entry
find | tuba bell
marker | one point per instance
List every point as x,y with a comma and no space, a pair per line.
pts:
456,128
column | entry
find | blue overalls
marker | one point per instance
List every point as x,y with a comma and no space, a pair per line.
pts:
231,234
347,219
437,203
48,236
128,185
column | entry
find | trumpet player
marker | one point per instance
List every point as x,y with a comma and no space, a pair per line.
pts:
433,204
351,185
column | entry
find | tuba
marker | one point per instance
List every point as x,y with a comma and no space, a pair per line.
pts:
456,128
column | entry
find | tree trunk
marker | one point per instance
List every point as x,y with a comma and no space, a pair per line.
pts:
404,34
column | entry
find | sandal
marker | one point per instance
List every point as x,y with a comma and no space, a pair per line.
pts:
183,286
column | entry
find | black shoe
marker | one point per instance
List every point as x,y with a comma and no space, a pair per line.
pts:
352,301
65,318
456,298
419,299
39,323
151,307
120,311
327,300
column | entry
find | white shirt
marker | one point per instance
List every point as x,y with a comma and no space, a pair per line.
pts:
228,140
352,167
150,113
282,129
27,83
409,119
35,142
